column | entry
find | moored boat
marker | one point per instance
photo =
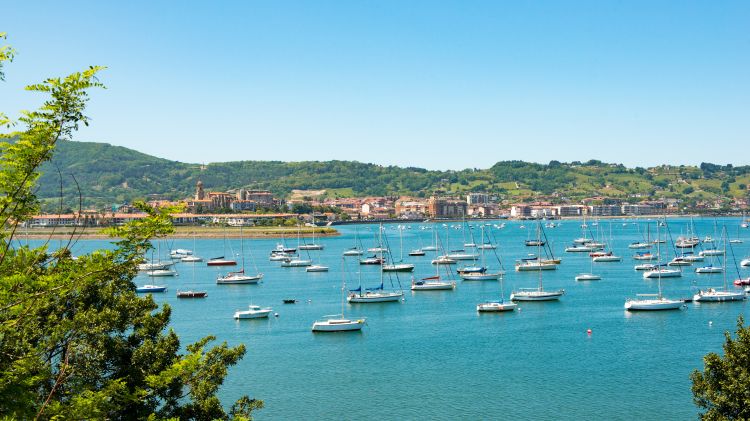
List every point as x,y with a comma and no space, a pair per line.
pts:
192,294
151,288
253,312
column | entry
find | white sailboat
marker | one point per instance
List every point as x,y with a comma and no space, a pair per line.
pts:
653,302
399,266
221,260
483,274
339,322
639,245
374,295
720,294
357,249
661,270
591,276
497,306
240,277
313,245
538,293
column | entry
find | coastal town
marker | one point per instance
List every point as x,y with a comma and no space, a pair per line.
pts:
244,207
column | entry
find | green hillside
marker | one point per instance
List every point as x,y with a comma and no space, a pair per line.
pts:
108,175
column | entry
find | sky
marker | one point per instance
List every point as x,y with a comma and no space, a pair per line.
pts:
432,84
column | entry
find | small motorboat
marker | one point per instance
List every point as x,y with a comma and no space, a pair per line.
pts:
289,301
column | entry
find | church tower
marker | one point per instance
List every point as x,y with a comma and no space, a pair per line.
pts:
199,194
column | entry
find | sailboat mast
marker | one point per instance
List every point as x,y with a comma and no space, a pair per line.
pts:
539,251
724,271
242,249
343,285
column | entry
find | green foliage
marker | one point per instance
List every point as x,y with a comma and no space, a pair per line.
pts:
722,390
76,342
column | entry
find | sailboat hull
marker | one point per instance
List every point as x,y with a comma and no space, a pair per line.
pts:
338,325
536,295
433,286
375,297
495,307
406,267
239,279
653,305
718,296
662,273
221,262
481,276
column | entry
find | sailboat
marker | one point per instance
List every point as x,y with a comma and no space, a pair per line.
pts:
192,293
583,239
151,288
400,266
191,258
339,322
661,270
538,293
239,277
433,246
482,274
311,246
711,268
653,302
720,294
591,276
156,264
221,261
536,263
357,249
497,306
373,295
643,244
608,256
434,283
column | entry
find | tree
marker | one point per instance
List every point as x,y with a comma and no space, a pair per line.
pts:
76,342
723,388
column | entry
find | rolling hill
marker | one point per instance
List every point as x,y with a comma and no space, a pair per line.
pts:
108,175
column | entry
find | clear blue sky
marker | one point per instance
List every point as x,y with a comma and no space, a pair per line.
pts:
433,84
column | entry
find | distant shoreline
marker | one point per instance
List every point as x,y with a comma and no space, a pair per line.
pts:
183,232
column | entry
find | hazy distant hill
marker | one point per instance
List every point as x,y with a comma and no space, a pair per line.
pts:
110,174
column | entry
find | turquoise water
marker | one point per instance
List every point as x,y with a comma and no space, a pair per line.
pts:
433,357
